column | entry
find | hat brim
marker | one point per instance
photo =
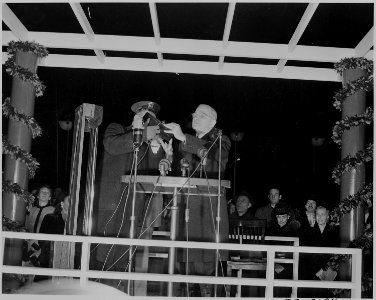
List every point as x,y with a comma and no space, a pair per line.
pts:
145,105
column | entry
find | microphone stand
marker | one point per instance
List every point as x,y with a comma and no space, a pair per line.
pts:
132,218
218,219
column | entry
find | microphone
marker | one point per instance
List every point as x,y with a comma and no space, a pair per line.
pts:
203,154
137,137
184,163
164,166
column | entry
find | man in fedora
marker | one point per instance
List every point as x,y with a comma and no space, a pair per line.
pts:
114,197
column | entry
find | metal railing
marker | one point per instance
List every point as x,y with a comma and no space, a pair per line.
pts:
84,273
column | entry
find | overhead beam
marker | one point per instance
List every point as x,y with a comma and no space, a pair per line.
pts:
86,27
306,18
190,67
157,35
14,24
185,46
365,44
227,30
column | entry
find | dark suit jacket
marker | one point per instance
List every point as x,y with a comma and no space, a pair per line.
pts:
201,223
112,195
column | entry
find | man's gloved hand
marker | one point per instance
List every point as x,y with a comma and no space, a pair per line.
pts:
176,131
138,122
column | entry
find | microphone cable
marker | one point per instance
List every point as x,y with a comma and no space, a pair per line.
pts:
117,206
140,233
216,230
122,219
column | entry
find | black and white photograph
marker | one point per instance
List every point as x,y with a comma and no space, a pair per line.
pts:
177,149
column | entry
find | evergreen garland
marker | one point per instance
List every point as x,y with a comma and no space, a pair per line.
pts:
12,113
9,225
12,187
364,83
18,153
351,162
352,201
26,46
353,121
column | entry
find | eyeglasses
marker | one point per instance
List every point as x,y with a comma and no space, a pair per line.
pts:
200,115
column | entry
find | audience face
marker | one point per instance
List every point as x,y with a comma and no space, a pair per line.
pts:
282,219
310,206
44,196
242,204
274,196
322,216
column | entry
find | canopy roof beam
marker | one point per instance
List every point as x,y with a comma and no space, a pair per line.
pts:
227,30
365,44
14,24
157,35
188,67
306,18
86,27
184,46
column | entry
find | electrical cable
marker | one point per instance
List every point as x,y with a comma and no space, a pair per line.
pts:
139,234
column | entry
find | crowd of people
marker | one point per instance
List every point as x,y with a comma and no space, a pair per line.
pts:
311,225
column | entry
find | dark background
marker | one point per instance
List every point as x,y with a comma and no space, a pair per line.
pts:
278,117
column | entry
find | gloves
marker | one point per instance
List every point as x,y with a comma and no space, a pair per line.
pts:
138,122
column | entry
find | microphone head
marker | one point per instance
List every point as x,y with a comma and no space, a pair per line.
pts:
202,152
137,137
164,166
184,163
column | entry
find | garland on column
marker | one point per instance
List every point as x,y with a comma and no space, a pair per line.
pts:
11,112
364,83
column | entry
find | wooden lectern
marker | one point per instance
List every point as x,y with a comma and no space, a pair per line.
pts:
177,186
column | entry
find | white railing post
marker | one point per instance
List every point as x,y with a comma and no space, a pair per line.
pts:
85,257
356,275
270,273
2,251
295,271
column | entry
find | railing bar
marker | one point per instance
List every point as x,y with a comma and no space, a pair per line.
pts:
178,244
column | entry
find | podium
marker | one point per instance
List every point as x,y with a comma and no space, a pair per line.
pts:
178,186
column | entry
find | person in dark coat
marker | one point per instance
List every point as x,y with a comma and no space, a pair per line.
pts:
245,207
283,224
115,197
322,234
53,223
202,209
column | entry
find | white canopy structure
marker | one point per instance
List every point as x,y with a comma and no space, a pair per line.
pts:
292,59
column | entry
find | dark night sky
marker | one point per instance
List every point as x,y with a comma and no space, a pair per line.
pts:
278,118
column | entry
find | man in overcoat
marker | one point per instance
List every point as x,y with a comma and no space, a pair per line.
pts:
203,148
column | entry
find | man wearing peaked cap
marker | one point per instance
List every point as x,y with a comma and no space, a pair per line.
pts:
111,193
145,105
